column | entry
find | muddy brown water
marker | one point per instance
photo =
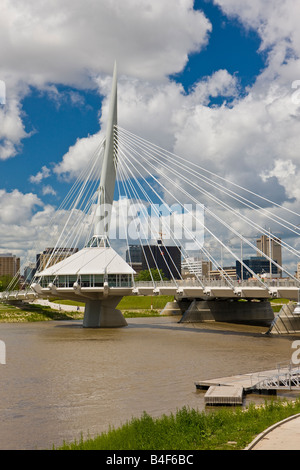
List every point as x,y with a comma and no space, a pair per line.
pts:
61,381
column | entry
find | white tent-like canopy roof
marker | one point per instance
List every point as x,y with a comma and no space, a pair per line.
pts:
97,260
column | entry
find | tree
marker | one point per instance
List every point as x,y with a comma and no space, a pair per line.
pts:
157,275
6,281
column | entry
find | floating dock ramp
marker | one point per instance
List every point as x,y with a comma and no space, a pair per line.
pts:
231,390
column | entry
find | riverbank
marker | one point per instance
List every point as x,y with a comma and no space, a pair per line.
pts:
189,429
45,310
37,312
58,309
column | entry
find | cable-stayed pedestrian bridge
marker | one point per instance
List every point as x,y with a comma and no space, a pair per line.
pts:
132,192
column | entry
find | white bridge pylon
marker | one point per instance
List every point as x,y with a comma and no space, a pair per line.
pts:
146,195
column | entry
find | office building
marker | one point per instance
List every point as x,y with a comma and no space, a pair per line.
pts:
223,273
51,256
134,257
258,264
271,247
29,272
9,264
195,267
166,258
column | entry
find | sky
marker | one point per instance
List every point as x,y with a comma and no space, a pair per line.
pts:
215,81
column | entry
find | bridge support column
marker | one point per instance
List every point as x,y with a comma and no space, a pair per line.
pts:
177,307
103,314
230,311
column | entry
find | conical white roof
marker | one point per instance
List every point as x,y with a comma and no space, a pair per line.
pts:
96,260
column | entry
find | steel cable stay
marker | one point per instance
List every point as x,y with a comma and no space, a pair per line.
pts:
294,228
80,207
239,235
131,175
202,248
224,274
129,192
67,208
234,211
197,220
219,219
227,225
173,155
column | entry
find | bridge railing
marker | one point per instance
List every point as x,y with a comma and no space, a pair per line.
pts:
219,283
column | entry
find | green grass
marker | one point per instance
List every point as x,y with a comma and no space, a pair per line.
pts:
32,313
141,313
131,302
280,301
67,302
189,429
131,307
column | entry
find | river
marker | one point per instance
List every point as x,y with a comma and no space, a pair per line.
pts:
61,380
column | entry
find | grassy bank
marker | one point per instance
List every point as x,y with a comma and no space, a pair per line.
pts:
188,429
131,307
33,313
131,302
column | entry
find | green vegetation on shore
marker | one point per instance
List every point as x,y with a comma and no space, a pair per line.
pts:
189,429
131,307
32,313
131,302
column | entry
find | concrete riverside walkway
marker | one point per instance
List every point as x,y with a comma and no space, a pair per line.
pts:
284,435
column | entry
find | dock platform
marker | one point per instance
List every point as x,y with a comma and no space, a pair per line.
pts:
230,390
224,395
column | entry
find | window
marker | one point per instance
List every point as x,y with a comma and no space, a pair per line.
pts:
61,281
98,280
70,280
112,280
85,280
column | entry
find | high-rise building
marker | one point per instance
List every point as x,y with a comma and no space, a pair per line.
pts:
196,267
271,247
9,264
258,265
134,257
162,257
29,272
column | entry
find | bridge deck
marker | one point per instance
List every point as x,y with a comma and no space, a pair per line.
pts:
187,289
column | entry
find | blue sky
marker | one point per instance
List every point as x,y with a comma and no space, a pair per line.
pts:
230,47
213,83
55,125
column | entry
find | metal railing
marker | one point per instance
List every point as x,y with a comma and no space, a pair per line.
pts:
288,377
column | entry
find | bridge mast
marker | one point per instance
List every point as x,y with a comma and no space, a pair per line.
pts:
108,174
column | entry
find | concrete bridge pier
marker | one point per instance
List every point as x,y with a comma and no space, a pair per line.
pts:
103,314
177,307
232,311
